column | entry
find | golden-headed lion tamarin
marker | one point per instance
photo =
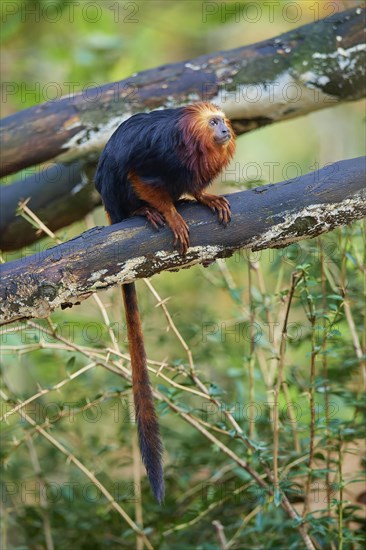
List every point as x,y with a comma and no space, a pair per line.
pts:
151,161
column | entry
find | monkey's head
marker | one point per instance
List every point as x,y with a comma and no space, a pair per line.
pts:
206,124
208,142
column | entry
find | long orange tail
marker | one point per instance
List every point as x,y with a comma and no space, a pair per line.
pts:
147,424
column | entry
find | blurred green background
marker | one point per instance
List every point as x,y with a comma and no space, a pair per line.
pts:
50,48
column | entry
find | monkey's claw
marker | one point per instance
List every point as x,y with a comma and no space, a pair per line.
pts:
153,215
217,204
181,234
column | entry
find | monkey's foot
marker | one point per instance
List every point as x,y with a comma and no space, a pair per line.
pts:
181,233
153,215
216,204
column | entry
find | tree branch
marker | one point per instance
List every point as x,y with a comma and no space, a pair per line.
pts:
310,68
60,195
270,216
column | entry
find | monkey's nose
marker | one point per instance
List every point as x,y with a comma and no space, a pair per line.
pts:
225,135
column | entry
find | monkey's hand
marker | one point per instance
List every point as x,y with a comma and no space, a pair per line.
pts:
216,204
153,215
180,231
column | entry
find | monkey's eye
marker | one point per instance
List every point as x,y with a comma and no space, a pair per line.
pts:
213,122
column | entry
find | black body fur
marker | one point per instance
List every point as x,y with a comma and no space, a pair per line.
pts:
148,144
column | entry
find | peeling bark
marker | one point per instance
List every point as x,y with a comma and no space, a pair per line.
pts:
270,216
310,68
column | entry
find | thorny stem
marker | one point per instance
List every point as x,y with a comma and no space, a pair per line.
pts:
33,219
325,375
251,351
161,303
340,484
360,353
220,534
41,392
295,278
43,501
312,319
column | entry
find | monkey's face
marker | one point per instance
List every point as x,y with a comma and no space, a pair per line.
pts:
206,128
220,132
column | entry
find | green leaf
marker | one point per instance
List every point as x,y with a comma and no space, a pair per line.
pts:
215,390
165,390
71,362
277,497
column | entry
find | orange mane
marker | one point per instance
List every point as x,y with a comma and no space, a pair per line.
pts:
205,158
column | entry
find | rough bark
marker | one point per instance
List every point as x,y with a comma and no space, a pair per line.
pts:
270,216
312,67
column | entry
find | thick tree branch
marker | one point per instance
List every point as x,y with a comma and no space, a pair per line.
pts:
60,195
310,68
270,216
